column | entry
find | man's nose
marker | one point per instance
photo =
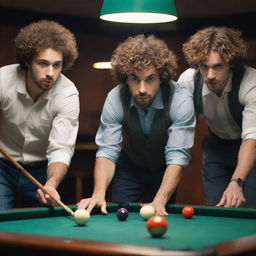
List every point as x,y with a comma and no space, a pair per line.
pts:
142,88
210,74
50,71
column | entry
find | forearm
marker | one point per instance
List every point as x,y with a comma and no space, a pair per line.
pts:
103,174
233,195
246,159
55,173
170,181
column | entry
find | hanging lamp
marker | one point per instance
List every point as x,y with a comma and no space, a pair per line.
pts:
138,11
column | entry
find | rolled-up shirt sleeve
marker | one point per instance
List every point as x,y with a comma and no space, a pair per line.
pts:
181,132
247,97
64,129
109,135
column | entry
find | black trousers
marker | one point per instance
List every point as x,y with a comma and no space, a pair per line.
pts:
219,162
131,183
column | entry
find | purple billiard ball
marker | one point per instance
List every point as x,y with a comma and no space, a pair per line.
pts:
122,214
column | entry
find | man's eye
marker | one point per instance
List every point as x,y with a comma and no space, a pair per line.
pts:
42,63
57,65
151,78
219,66
134,78
203,66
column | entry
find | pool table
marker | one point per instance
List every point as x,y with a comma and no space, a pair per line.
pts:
47,231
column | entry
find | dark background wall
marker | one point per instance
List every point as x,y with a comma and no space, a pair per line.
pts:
98,39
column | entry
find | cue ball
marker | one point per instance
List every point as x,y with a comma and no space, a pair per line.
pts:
188,212
81,217
147,211
122,214
157,226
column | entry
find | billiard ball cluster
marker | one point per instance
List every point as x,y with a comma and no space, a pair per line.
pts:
156,225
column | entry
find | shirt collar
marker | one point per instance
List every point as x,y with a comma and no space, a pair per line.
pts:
157,102
21,82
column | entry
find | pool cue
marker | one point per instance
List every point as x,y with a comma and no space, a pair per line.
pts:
36,182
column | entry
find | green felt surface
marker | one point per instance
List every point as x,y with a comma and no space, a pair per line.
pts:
200,231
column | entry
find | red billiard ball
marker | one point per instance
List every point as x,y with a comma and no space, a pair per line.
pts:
188,212
157,226
122,214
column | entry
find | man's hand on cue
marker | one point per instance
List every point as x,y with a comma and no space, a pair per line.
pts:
44,198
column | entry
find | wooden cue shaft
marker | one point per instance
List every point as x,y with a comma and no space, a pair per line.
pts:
36,182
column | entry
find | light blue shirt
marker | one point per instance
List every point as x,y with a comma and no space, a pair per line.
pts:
181,132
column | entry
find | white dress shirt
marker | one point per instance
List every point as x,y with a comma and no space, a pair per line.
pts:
42,130
216,110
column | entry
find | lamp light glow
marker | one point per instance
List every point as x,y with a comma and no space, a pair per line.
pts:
102,65
138,11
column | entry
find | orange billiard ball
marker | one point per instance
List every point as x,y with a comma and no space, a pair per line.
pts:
157,226
188,212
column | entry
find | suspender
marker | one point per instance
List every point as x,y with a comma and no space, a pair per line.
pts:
167,93
197,95
235,106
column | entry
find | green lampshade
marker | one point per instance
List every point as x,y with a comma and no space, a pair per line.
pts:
138,11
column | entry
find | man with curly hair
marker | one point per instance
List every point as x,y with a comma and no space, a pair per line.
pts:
153,118
224,91
39,113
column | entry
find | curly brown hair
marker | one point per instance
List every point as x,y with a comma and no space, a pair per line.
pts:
226,41
42,35
137,53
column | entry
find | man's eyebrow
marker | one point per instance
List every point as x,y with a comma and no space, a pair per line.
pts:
58,61
42,60
153,74
216,64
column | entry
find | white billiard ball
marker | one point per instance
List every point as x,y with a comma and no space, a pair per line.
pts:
147,211
81,217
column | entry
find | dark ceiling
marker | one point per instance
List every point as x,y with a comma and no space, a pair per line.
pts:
84,15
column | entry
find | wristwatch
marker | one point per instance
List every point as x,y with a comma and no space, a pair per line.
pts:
239,181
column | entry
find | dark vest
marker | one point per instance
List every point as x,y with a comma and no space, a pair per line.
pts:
146,151
235,106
